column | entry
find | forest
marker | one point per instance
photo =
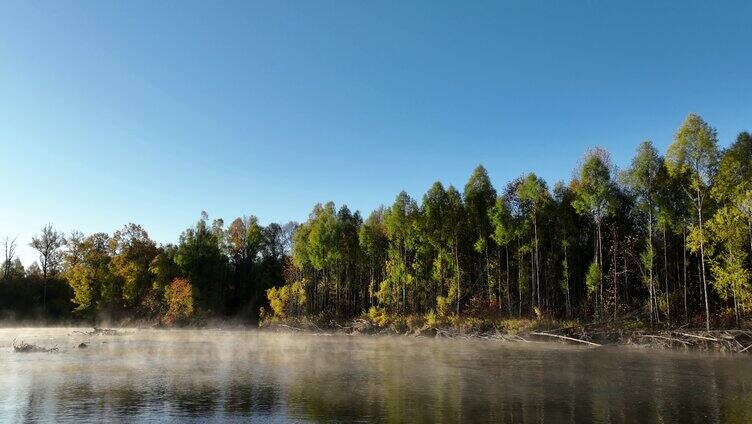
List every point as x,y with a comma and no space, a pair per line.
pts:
666,239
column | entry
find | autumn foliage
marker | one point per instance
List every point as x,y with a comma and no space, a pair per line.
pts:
179,297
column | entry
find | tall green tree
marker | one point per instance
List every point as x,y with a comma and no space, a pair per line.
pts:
642,179
435,234
694,154
133,252
90,275
201,259
479,196
400,221
727,238
534,196
731,224
567,237
503,234
594,198
733,182
373,243
455,220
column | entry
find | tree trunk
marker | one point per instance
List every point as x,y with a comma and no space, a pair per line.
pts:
736,307
457,275
600,264
616,281
509,286
532,281
537,260
650,271
684,265
665,275
498,276
519,277
626,280
566,264
488,274
702,262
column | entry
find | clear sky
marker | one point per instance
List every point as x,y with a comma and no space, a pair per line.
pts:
150,112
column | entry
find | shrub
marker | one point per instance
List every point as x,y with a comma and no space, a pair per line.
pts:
443,306
379,316
289,300
433,319
414,322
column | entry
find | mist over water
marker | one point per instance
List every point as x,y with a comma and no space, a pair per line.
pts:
237,375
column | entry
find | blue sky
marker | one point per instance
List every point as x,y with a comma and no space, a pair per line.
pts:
150,112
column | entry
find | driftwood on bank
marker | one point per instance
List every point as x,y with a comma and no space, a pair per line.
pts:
593,334
102,332
23,347
572,339
670,339
697,336
732,341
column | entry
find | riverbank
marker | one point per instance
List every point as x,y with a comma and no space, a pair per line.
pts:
623,332
594,334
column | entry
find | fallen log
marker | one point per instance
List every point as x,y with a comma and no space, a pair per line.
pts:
534,333
745,349
102,332
671,339
526,341
289,327
696,336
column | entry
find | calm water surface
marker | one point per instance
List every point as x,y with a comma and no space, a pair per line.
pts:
219,376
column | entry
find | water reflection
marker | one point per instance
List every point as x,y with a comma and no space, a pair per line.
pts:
235,375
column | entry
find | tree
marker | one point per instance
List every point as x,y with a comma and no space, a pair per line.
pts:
34,270
727,236
90,275
433,235
503,234
399,221
349,223
694,154
734,176
9,248
567,231
373,243
731,226
642,179
163,268
479,196
14,270
48,245
439,228
533,195
244,240
733,182
133,253
594,196
273,257
200,259
455,219
179,298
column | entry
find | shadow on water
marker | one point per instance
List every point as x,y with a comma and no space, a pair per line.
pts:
199,375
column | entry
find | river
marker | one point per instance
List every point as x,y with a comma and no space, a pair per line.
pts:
246,375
